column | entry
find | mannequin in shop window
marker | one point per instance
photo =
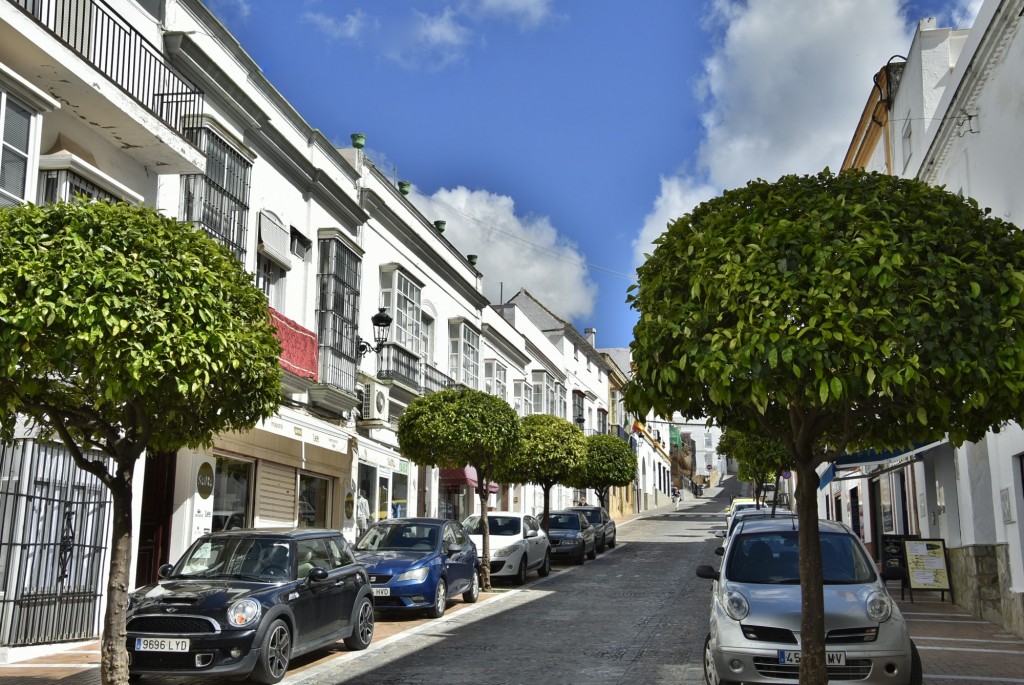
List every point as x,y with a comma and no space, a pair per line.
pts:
362,514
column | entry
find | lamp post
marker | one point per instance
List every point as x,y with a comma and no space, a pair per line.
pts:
381,327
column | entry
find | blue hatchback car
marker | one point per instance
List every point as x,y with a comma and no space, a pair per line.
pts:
419,564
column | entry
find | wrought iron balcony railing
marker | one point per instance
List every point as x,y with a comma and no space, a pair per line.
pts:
396,363
435,381
106,40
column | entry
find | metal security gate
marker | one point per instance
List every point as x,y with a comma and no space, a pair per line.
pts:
54,535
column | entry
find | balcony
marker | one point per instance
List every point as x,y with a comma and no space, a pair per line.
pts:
149,123
435,381
398,364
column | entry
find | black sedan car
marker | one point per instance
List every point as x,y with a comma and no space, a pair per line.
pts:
245,602
571,536
604,526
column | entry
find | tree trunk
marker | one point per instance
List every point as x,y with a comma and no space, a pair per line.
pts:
113,655
547,508
485,529
813,670
602,495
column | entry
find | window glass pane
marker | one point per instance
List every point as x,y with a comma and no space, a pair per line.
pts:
232,502
314,495
16,126
13,166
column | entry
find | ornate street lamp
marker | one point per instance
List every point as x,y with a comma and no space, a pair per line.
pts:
381,327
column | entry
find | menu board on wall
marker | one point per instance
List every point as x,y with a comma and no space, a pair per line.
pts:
926,564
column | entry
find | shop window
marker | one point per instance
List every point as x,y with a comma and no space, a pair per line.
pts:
232,494
314,499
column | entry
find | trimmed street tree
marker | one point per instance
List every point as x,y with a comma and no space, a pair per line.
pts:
550,451
759,458
609,462
125,331
833,312
461,427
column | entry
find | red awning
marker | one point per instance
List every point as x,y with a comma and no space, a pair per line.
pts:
463,476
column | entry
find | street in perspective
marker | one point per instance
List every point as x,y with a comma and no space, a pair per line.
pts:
636,614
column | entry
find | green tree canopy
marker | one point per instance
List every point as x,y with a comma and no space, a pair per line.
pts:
609,462
760,459
550,451
830,312
461,427
123,330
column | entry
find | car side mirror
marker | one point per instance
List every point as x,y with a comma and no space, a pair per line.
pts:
454,548
531,534
719,551
165,570
719,533
705,571
317,574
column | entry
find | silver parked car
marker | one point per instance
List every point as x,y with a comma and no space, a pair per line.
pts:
756,610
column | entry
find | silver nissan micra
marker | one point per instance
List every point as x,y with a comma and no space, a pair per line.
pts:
755,610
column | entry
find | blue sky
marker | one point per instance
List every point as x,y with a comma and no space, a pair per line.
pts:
557,138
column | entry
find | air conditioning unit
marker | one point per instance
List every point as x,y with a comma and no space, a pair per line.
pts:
375,402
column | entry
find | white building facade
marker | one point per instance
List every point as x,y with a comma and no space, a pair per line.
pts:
950,116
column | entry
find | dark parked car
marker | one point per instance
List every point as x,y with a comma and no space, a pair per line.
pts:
604,526
245,602
571,536
419,563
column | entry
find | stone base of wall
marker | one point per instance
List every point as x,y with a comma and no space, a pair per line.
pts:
980,578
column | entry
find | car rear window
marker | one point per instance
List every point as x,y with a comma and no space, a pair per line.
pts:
564,521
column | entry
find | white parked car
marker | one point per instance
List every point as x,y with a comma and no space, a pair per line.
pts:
517,542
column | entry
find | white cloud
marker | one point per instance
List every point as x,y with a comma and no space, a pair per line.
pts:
514,251
440,31
527,13
349,28
782,90
240,7
678,195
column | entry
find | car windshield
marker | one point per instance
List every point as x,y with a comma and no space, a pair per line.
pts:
773,557
255,558
414,537
496,525
563,522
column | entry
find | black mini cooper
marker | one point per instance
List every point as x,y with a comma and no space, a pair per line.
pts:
245,602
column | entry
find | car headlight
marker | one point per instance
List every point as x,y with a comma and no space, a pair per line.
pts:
506,551
243,612
417,574
735,605
571,541
878,606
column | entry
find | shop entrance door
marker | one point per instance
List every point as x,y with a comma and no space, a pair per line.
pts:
384,496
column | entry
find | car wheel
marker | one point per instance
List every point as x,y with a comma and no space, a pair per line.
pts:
362,633
545,568
275,651
440,600
710,672
916,670
520,577
473,593
611,545
600,547
592,554
583,555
